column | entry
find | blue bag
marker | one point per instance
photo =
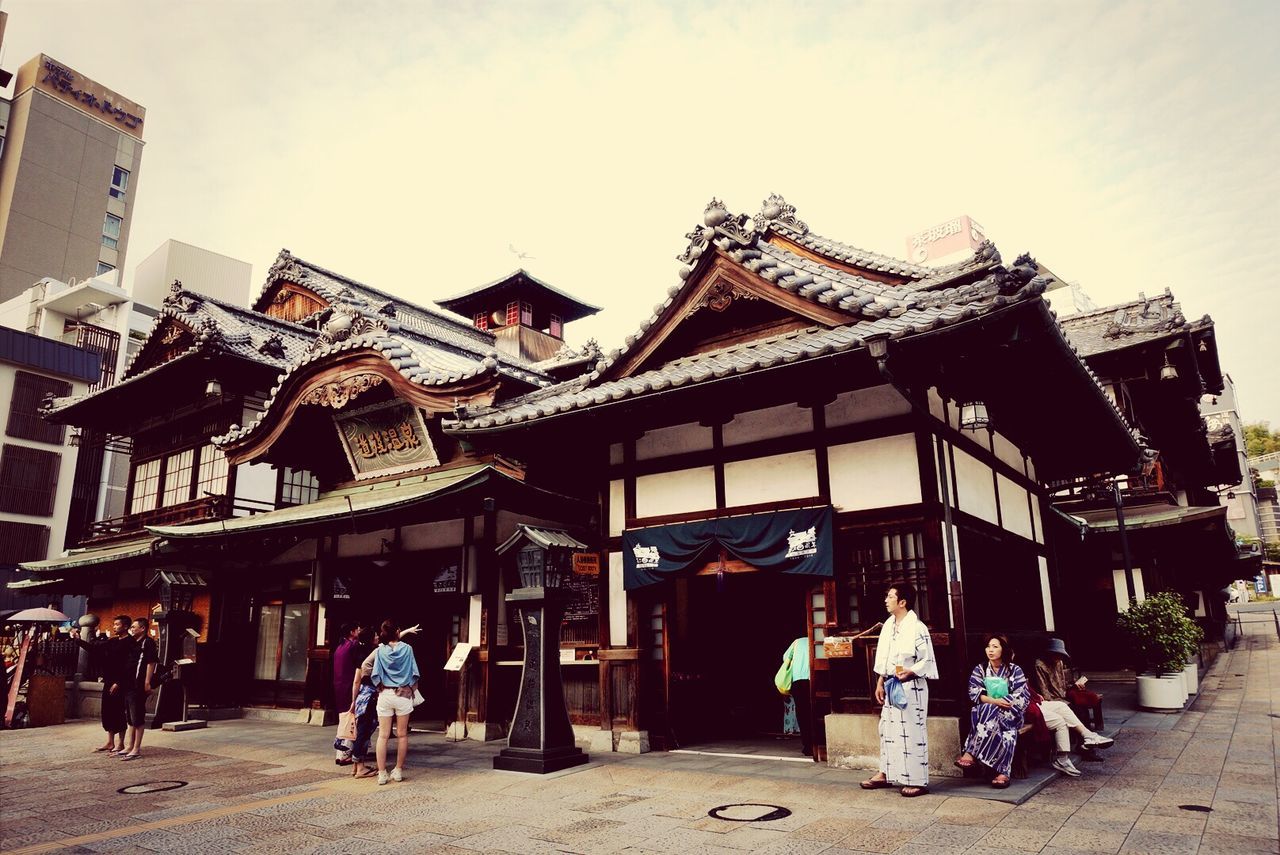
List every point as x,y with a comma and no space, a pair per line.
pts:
894,691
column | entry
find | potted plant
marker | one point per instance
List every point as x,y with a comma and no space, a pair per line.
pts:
1162,638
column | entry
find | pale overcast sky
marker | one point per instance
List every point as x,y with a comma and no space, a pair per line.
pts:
1128,146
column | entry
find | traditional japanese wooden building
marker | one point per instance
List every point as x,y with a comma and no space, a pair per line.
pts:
1156,364
797,425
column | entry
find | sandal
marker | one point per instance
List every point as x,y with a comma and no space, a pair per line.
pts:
961,763
365,773
1000,782
875,784
912,792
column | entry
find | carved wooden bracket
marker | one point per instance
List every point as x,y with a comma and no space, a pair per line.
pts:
339,393
719,296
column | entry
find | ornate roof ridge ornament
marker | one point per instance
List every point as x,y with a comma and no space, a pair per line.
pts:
350,322
286,267
273,346
775,210
179,299
716,221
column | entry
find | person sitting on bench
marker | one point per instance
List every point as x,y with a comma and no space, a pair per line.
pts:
1061,686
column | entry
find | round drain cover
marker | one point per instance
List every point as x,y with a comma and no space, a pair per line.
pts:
748,812
150,787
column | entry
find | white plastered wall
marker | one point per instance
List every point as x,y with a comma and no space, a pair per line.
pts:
786,420
866,405
874,473
676,439
1014,510
617,507
771,479
256,482
617,602
975,487
1046,596
679,492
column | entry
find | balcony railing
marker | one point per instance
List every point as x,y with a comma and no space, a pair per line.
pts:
119,528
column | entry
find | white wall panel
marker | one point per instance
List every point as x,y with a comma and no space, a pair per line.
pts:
1035,518
771,479
1007,451
676,492
866,405
1014,511
676,439
756,425
617,508
975,488
256,482
875,473
617,602
432,535
1045,594
615,454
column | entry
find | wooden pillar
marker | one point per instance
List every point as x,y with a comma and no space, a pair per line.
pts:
487,573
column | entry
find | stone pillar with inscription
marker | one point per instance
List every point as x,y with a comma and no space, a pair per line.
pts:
541,737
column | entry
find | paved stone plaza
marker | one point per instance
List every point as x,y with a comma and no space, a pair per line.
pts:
256,786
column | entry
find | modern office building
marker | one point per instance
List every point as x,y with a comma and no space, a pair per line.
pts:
69,163
37,459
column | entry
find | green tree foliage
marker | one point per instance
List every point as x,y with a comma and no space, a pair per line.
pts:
1162,636
1260,439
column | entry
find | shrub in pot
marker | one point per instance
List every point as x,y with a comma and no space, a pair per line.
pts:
1162,638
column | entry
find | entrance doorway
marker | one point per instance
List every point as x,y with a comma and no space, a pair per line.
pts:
728,635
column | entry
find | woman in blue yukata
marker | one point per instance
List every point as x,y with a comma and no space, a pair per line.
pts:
998,692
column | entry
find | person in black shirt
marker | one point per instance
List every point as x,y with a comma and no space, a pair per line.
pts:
135,680
109,653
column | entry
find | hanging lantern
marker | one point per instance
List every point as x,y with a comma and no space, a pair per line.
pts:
973,416
1168,372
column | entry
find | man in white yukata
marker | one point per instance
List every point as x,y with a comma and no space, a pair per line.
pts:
905,655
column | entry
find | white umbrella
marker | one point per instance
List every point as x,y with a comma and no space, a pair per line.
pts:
38,616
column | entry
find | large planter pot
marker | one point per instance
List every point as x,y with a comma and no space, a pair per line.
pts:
1161,691
1191,676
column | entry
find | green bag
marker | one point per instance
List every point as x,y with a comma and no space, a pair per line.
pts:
783,678
997,687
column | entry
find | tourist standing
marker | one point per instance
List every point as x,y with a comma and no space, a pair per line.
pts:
138,668
394,672
108,653
904,661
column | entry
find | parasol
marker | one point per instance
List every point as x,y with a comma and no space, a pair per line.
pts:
37,616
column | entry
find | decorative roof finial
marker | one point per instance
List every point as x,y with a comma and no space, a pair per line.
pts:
775,210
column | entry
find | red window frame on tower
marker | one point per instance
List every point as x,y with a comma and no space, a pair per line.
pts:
481,320
556,326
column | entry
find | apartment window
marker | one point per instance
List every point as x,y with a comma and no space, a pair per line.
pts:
213,473
23,542
119,183
297,487
177,478
29,391
146,484
103,267
111,231
28,480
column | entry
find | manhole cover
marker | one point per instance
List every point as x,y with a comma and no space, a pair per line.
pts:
748,812
1201,808
150,787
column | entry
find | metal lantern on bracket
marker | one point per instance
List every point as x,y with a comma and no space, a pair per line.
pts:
973,416
1168,371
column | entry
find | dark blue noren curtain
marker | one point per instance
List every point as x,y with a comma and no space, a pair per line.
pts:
798,542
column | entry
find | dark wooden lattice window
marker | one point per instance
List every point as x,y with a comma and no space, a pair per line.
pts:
28,480
22,542
880,558
29,391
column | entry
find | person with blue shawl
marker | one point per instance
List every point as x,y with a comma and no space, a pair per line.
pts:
393,669
999,695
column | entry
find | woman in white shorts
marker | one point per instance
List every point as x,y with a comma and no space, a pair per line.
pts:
394,672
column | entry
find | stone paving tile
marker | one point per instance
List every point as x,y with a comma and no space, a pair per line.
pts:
1234,844
1021,839
829,829
1261,826
873,839
948,834
1181,822
1143,842
1088,839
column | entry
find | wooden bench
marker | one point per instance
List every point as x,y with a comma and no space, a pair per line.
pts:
1091,716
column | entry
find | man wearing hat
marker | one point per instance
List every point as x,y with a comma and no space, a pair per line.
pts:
1057,681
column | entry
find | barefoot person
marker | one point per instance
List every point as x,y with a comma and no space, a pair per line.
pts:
109,653
904,660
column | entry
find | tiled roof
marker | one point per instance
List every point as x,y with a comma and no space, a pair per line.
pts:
942,297
218,327
1128,324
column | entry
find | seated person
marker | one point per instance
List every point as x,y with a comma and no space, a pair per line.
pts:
999,694
1061,687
